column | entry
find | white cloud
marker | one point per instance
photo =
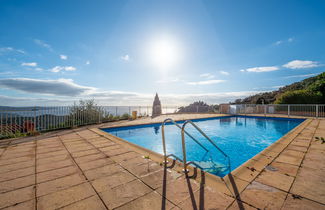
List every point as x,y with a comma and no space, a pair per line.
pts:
206,82
278,86
300,64
125,58
87,62
263,69
224,73
63,68
63,57
32,64
207,76
43,44
279,42
30,101
8,73
6,49
11,49
57,69
302,75
21,51
242,70
66,91
70,68
115,98
63,87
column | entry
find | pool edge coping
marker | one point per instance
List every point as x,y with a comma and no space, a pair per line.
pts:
243,174
159,122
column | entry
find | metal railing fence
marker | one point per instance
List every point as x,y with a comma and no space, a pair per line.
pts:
303,110
15,121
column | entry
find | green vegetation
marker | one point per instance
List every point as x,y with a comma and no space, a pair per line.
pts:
88,112
124,116
321,139
17,134
12,135
84,112
198,107
299,97
307,91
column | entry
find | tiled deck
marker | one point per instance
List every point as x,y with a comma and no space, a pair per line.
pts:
79,169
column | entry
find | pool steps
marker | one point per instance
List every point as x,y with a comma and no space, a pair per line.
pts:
183,132
169,120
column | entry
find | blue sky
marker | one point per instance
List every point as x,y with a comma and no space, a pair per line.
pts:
123,52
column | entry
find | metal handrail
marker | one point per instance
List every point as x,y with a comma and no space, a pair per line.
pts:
163,136
203,134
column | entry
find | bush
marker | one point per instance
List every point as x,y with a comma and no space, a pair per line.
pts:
125,116
199,107
18,134
86,112
299,97
319,88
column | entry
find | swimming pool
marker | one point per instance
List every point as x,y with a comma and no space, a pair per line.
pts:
240,137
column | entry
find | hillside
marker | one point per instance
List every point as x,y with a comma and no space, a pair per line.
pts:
307,91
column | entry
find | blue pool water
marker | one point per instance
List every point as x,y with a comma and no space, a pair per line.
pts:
240,138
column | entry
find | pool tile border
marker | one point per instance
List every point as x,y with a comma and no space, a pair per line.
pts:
159,122
235,182
268,190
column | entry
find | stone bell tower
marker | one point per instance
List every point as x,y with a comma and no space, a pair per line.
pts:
156,107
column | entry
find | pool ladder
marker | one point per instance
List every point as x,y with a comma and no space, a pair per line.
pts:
183,132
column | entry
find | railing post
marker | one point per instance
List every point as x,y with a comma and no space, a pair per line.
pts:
316,110
245,109
264,110
116,111
73,117
163,142
0,123
6,122
184,152
99,112
11,125
34,118
289,110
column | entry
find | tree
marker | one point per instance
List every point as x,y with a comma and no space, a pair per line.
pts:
86,112
198,106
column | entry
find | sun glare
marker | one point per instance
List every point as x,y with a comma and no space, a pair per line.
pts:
164,53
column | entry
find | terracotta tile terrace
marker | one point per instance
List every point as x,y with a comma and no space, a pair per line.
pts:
83,169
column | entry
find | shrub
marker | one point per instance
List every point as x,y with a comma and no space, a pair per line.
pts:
86,112
125,116
198,106
299,97
18,134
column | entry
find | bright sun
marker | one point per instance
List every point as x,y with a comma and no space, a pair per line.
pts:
164,53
